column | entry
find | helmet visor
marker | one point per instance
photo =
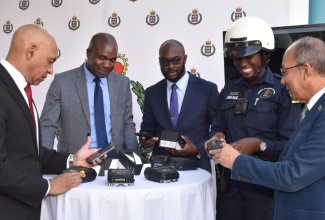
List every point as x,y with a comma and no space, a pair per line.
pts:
241,49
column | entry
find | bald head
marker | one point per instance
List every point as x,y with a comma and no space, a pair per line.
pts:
102,38
33,50
171,45
102,54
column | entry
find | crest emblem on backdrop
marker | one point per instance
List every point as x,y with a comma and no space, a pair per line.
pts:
194,72
74,24
114,20
7,27
208,49
194,17
152,19
38,22
121,65
56,3
94,1
23,4
59,53
239,13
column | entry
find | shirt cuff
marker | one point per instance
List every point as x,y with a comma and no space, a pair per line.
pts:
48,189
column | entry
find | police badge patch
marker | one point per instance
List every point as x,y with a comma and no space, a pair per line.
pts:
266,93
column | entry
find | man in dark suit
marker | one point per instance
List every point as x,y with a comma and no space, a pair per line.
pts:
197,104
299,176
70,105
23,160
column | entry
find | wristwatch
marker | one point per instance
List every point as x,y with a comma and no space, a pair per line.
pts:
263,146
71,160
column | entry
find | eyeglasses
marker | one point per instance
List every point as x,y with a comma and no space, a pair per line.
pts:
284,69
165,62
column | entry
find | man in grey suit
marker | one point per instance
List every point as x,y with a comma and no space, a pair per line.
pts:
70,101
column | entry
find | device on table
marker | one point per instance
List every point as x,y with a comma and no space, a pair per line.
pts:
92,158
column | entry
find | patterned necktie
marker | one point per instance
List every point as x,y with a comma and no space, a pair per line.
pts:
99,115
174,105
304,112
28,91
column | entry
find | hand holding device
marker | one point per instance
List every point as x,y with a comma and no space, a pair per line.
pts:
92,158
213,145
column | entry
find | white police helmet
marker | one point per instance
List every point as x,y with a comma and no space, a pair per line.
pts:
247,36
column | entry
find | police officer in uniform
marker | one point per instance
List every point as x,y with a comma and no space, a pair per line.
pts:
255,115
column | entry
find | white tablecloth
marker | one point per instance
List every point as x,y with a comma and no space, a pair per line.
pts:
189,198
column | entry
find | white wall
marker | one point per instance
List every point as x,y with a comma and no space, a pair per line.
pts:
138,41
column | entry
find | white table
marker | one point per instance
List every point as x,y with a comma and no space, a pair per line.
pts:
189,198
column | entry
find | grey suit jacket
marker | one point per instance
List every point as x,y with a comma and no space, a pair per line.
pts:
67,103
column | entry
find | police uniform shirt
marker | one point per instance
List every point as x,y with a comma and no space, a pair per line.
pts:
271,116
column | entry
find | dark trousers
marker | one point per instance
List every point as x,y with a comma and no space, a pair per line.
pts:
245,201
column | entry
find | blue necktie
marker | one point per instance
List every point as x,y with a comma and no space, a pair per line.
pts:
174,105
99,115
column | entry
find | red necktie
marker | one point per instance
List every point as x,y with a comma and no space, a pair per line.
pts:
28,91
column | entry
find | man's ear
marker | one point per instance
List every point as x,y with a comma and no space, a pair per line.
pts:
308,72
31,50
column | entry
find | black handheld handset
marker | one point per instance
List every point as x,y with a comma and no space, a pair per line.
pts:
146,135
213,145
100,153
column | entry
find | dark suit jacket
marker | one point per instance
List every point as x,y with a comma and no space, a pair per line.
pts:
196,114
299,177
22,187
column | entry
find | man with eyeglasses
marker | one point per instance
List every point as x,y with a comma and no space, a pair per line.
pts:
299,176
196,106
255,115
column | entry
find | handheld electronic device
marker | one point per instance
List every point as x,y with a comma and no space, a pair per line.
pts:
146,135
161,174
213,145
100,153
89,172
120,177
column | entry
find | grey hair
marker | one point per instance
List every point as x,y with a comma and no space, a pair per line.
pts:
310,50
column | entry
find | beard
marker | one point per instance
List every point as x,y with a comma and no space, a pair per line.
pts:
179,74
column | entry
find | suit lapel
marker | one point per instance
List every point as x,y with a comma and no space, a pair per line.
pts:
164,104
113,88
18,97
319,105
189,94
81,85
